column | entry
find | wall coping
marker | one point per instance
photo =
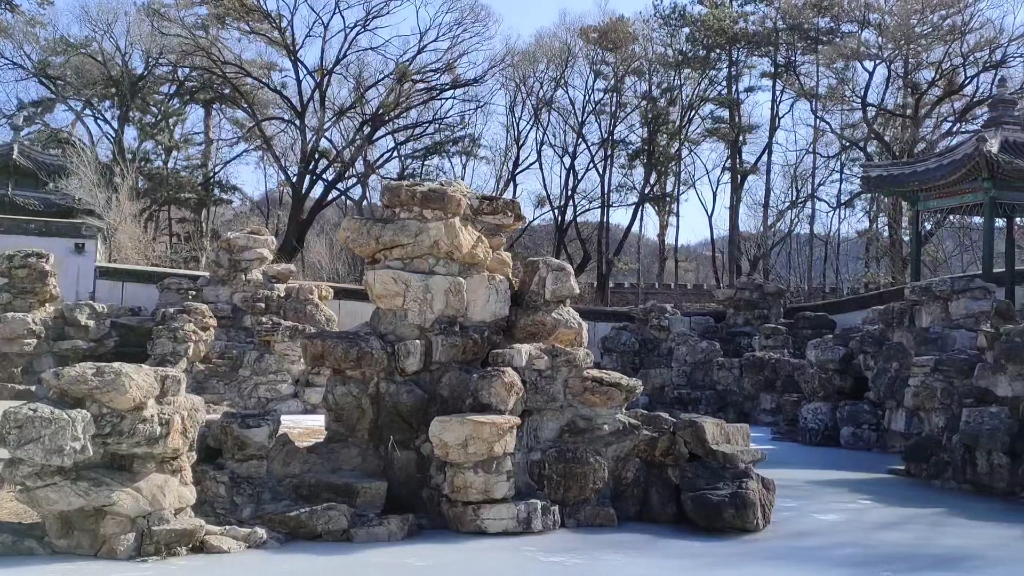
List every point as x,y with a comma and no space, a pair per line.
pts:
49,227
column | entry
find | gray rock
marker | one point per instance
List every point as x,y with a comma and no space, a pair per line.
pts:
221,545
43,434
516,517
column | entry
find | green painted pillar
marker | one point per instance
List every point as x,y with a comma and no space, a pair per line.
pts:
988,238
1010,248
915,242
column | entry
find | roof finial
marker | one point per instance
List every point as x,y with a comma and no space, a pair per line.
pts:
17,125
1002,107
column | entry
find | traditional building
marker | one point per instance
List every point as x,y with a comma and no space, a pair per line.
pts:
980,176
34,213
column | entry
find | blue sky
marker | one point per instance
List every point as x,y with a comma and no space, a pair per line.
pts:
526,16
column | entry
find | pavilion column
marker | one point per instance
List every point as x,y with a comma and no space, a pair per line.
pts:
1010,249
915,243
988,238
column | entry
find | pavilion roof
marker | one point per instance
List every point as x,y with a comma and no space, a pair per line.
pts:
996,152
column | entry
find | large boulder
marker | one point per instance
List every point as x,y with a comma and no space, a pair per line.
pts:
465,438
514,517
718,499
422,297
481,481
383,240
117,385
42,434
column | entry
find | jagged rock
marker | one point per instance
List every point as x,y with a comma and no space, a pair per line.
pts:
166,538
391,528
424,197
422,297
244,436
546,280
324,522
123,493
384,240
345,351
465,438
818,426
221,545
495,390
481,481
42,434
488,298
737,499
516,517
570,474
561,326
602,389
118,386
990,428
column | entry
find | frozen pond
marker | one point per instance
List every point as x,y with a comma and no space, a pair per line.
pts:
837,513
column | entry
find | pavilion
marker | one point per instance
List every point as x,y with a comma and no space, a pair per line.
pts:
980,176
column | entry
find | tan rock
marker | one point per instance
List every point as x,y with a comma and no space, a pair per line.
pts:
422,297
602,389
483,481
465,438
488,297
383,240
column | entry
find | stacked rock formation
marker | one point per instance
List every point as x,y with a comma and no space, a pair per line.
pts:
239,331
106,460
38,333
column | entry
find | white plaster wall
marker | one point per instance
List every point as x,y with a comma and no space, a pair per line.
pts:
350,313
75,272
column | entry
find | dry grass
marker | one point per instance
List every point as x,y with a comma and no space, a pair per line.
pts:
12,511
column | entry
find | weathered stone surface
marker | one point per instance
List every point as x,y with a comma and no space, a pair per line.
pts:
345,351
221,545
482,481
990,428
561,326
42,434
17,539
546,280
818,426
118,386
244,436
465,438
324,522
570,474
447,200
121,493
726,500
495,390
167,538
488,297
383,240
602,389
422,297
390,528
516,517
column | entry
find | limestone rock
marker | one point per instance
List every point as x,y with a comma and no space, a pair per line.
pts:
495,390
488,298
42,434
221,545
726,499
244,436
482,481
383,240
390,528
422,297
546,280
989,428
561,326
465,438
570,475
516,517
324,522
818,426
427,197
602,389
345,351
166,538
117,385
